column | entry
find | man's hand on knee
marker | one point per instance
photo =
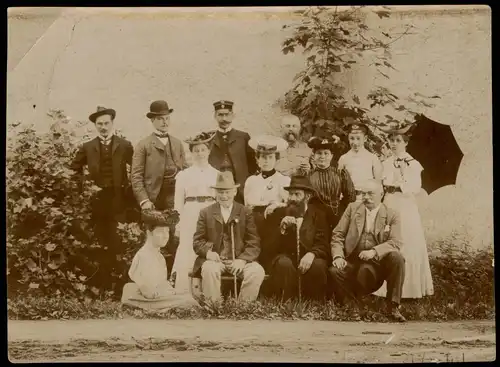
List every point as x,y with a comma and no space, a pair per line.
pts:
339,263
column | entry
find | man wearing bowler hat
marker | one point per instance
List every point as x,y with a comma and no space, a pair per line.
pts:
300,245
226,241
106,157
157,160
230,150
365,249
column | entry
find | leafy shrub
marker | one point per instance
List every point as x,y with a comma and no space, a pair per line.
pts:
50,244
459,295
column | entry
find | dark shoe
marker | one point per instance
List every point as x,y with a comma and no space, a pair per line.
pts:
394,314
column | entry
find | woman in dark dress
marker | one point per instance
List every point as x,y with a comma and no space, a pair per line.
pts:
334,187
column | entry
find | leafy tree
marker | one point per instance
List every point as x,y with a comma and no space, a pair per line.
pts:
334,40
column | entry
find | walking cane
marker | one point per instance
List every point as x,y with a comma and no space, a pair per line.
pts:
234,256
298,262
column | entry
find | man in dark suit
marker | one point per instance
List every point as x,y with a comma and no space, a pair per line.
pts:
226,241
106,157
230,150
366,250
300,246
157,160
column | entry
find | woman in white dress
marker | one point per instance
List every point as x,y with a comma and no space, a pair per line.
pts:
151,289
264,192
402,181
192,193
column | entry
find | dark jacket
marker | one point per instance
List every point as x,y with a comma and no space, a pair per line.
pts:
313,235
89,154
242,156
209,231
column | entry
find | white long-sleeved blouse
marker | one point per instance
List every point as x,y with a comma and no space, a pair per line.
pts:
405,173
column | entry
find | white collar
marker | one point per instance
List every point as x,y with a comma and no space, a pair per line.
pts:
361,150
227,209
226,130
374,211
107,137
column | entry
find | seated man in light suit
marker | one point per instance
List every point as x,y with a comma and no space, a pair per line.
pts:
365,250
226,241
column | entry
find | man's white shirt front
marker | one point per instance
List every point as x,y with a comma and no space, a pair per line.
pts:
226,212
370,219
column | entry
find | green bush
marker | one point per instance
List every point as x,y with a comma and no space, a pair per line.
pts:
50,245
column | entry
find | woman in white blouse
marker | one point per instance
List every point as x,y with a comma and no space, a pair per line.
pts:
402,181
192,193
151,289
265,191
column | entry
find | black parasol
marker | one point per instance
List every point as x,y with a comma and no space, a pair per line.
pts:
434,146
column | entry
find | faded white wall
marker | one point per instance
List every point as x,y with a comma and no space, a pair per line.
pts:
127,60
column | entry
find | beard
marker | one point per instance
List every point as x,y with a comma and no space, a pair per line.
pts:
296,209
290,136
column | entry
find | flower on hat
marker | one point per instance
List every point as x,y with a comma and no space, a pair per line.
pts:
167,218
201,138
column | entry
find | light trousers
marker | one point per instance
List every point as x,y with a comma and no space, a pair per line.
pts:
252,277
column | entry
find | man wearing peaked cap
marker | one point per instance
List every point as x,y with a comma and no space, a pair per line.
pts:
157,160
106,157
230,150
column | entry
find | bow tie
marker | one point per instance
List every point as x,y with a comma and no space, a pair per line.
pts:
267,174
105,141
162,136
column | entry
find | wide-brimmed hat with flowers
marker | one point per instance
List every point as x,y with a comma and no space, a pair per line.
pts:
160,218
201,138
317,143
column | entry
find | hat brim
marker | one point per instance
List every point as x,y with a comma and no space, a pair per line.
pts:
235,186
198,142
108,111
401,131
154,114
300,187
280,143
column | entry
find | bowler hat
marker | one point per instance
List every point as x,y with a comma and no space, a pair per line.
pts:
159,108
300,182
165,218
225,181
102,111
268,144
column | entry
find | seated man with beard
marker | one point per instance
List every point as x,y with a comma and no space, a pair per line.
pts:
309,254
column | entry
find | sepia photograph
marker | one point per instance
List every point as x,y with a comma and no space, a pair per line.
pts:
250,184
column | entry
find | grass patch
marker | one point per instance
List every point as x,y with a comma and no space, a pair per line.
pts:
463,282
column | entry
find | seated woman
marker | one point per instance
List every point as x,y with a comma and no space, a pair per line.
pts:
265,191
151,289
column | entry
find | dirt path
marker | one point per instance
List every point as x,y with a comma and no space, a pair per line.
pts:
249,341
